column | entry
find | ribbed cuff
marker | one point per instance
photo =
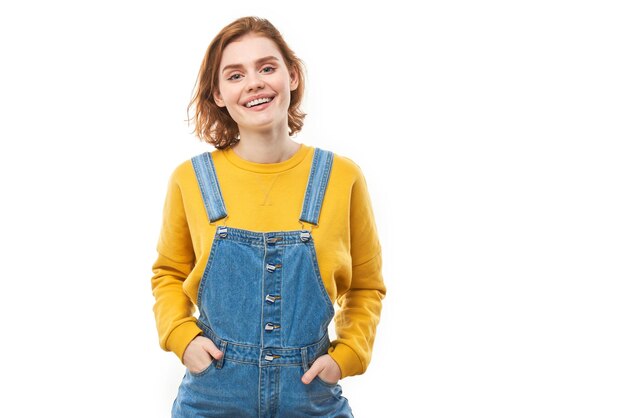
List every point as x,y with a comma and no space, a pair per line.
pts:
181,336
349,363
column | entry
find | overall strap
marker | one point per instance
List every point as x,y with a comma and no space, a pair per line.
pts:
316,188
209,186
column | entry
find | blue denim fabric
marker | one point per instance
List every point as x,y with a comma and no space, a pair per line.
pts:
263,303
316,187
209,186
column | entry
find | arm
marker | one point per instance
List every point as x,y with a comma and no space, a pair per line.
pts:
360,306
173,310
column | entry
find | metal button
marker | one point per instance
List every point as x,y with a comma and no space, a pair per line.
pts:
272,267
222,231
272,298
271,327
273,240
270,357
305,236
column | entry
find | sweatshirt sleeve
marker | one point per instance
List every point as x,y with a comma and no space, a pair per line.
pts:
360,306
173,310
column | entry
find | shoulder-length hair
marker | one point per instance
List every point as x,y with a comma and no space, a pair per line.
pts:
212,123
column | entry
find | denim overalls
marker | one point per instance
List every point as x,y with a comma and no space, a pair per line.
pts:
262,301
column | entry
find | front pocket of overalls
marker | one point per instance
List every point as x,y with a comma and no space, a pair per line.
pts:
317,391
203,371
325,383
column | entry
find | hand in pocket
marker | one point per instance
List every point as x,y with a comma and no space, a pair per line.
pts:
325,368
200,353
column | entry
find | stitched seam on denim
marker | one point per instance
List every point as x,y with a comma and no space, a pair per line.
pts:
220,207
311,190
305,359
307,194
275,392
205,277
207,182
203,372
322,183
209,186
232,360
265,273
281,252
315,346
257,239
323,395
318,277
197,167
223,347
259,400
325,383
316,188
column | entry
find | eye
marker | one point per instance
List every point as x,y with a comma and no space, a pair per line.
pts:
268,69
235,76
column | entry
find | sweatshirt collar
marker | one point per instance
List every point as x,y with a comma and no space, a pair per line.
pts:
267,168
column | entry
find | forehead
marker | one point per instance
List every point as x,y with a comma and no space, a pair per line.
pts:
247,49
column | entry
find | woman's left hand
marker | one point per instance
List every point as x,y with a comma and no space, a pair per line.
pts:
327,369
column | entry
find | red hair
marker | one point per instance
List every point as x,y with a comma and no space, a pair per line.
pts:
212,123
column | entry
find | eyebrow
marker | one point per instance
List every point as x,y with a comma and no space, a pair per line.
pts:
257,62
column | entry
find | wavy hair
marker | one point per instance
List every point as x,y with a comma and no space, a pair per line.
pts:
213,124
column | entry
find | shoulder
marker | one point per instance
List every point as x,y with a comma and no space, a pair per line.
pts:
182,170
183,174
346,168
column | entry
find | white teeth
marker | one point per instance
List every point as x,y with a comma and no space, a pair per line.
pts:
258,101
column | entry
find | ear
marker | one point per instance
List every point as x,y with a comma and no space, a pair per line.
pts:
293,80
217,96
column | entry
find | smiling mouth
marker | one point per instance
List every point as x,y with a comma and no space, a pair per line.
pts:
258,102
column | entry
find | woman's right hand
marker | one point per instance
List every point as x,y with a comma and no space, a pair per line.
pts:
200,353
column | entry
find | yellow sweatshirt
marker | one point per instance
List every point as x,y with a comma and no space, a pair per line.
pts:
264,198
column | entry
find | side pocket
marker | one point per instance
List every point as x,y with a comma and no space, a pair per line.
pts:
325,383
202,372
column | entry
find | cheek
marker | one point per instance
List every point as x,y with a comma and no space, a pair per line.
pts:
228,98
228,93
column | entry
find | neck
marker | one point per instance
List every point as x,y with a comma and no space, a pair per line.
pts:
265,147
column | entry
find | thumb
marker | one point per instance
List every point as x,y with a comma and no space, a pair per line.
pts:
212,349
315,369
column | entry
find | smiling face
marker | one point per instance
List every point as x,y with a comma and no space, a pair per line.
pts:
255,84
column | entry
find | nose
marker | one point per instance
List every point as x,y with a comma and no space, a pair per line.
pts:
255,82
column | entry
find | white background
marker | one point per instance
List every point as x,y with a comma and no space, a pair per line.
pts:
491,134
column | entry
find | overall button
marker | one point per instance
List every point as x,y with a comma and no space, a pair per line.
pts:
271,327
272,267
305,236
273,240
272,298
222,231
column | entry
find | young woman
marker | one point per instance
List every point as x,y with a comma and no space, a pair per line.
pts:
263,235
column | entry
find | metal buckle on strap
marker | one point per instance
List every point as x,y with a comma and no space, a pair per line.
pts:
305,234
